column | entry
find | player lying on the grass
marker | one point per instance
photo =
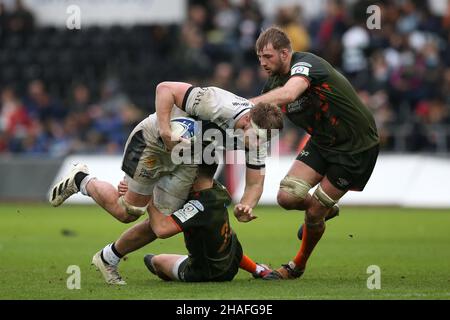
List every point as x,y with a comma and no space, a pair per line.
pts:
215,253
150,171
343,148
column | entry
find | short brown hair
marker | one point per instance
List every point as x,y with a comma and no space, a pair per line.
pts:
274,35
267,116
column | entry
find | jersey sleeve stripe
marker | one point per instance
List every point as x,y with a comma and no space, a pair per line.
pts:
254,166
186,96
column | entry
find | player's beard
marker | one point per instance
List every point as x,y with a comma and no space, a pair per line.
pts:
277,68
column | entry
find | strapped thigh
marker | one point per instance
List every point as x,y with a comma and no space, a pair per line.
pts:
323,198
296,187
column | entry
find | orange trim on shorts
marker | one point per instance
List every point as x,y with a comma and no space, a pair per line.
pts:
176,223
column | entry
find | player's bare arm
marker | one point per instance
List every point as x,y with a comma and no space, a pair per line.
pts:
163,226
254,184
169,94
285,94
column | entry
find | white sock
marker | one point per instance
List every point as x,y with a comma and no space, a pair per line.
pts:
259,268
84,183
109,256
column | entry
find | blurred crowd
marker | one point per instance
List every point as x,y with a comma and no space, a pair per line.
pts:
68,91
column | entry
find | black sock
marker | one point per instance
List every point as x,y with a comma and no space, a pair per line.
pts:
79,177
113,248
103,259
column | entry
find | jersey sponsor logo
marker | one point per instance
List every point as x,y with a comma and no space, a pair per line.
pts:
297,69
241,104
150,162
187,212
304,153
296,106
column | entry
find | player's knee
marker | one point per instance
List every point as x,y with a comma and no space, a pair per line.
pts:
292,192
320,205
129,209
285,200
126,218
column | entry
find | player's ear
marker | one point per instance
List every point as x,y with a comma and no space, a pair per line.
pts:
284,54
244,122
247,119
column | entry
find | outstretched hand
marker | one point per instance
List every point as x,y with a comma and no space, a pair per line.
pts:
243,213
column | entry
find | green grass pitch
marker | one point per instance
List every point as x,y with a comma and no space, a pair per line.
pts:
411,247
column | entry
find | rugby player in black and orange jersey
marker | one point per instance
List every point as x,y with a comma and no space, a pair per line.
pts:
214,251
343,148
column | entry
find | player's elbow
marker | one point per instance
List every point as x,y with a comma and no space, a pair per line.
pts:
127,218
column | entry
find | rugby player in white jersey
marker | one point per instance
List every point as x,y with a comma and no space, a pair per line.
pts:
150,171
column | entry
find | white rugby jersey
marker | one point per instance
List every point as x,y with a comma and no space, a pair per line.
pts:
223,109
217,105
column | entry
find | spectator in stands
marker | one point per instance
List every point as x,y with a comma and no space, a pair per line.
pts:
20,20
191,58
114,116
223,76
356,41
248,29
2,21
225,20
378,103
289,20
15,123
445,88
198,16
409,17
246,86
327,31
399,68
41,105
